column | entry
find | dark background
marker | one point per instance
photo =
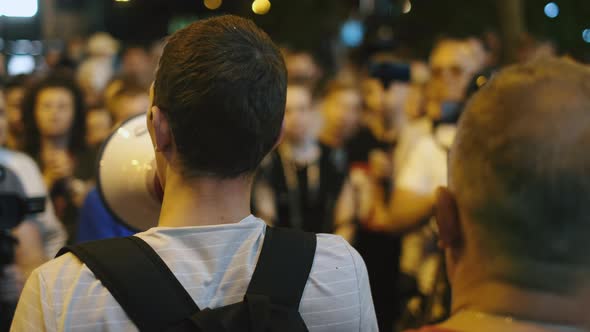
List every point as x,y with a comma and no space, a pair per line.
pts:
311,24
315,24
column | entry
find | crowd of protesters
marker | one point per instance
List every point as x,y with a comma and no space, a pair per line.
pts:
362,154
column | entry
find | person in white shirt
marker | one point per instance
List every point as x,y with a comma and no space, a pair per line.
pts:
453,64
424,169
218,106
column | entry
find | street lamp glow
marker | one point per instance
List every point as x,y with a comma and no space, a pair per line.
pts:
551,10
19,8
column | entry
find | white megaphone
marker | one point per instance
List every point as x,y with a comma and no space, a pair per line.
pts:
127,181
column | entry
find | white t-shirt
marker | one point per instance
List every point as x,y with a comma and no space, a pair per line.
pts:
214,264
426,166
410,135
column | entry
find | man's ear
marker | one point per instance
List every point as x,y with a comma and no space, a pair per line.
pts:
448,220
162,136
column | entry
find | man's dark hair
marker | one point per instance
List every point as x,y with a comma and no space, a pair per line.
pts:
221,83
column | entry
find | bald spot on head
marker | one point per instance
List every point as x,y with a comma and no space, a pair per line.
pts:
520,171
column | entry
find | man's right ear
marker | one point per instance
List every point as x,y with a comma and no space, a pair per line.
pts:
162,136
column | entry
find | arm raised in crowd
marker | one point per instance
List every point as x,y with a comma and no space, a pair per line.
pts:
408,210
412,200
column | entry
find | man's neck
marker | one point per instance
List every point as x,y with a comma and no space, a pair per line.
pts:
527,306
204,201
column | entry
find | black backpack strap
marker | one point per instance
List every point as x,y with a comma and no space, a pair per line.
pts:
283,267
138,279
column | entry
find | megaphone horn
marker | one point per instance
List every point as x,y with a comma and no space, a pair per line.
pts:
127,181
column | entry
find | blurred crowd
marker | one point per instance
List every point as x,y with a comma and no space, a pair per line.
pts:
362,153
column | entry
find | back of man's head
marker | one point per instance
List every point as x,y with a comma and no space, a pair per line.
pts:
221,83
521,175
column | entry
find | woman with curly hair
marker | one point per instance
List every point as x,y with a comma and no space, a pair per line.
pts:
55,129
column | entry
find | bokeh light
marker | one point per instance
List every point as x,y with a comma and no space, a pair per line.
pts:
352,33
551,10
213,4
21,64
20,8
261,7
407,7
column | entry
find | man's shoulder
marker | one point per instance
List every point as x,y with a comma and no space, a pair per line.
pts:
66,275
337,294
332,243
62,274
334,252
64,265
